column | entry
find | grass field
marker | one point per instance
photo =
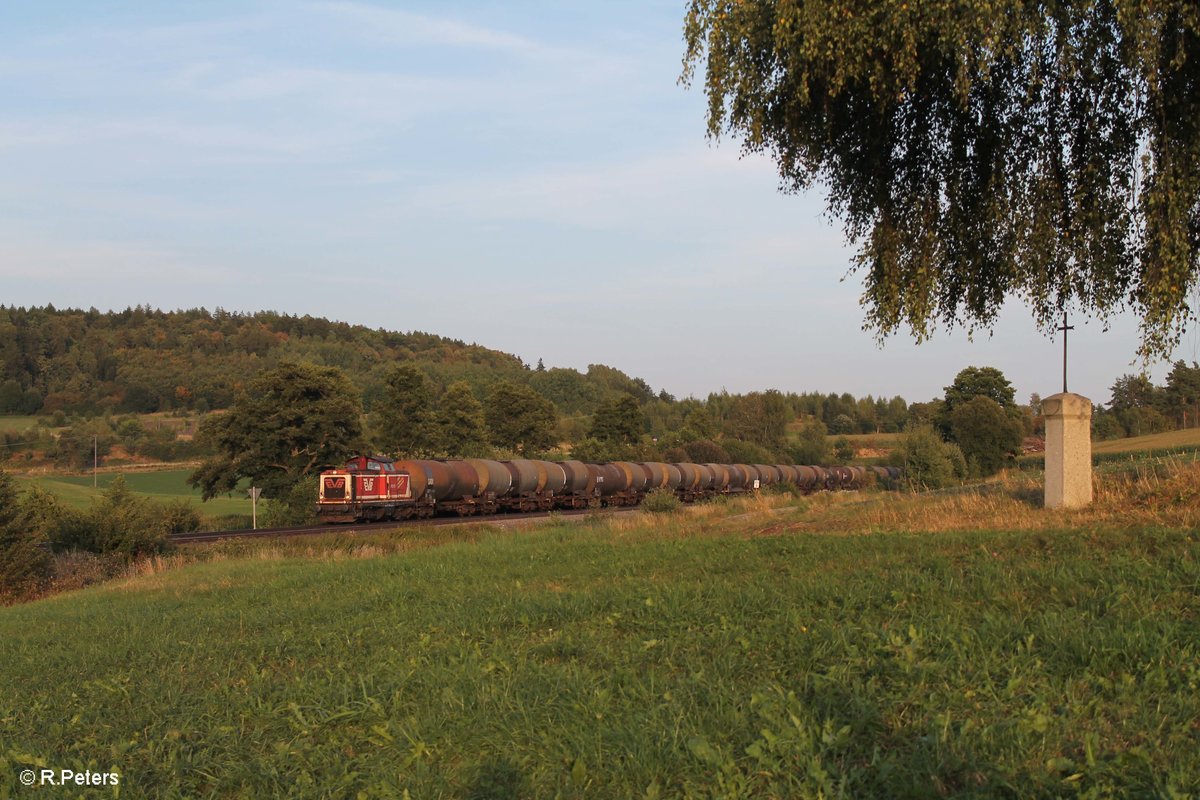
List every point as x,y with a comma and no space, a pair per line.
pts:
778,648
17,423
1189,437
77,491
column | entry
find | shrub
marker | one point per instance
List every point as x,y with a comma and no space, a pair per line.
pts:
843,423
706,451
843,450
119,522
126,524
593,450
987,435
676,455
786,487
748,452
296,507
180,516
24,562
929,462
661,501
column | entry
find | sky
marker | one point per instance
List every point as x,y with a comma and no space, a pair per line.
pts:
529,176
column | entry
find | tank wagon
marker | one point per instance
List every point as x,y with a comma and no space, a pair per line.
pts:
377,488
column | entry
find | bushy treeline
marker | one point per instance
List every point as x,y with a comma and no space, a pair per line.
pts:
119,524
1138,407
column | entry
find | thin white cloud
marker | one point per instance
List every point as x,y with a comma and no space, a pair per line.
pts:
604,195
233,141
403,27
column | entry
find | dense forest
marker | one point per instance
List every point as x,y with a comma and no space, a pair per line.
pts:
142,360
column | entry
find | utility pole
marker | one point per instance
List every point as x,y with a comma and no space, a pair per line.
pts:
1064,328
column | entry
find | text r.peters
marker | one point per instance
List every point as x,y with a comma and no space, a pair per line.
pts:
66,777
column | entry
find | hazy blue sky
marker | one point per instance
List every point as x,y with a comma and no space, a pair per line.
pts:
526,175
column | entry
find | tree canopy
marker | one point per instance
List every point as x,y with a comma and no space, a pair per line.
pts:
403,413
1047,150
289,421
458,424
618,420
980,382
970,383
518,418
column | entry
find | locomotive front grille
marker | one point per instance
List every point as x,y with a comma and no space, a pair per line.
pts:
333,488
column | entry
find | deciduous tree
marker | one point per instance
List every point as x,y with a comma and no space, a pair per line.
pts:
287,423
458,423
812,443
404,414
759,417
977,151
618,420
518,418
970,383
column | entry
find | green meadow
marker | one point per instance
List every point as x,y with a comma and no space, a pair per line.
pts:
729,652
17,422
161,485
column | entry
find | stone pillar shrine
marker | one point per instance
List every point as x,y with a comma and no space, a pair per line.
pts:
1068,450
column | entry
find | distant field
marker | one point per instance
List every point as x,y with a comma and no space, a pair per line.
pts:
77,491
881,440
1189,437
1154,444
17,423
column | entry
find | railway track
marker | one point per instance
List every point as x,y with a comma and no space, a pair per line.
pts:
366,527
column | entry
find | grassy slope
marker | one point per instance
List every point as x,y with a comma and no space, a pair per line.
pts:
77,491
694,656
1189,437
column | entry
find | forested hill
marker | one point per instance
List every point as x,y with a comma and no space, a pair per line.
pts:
145,360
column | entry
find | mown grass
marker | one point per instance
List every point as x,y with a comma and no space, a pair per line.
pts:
76,490
721,652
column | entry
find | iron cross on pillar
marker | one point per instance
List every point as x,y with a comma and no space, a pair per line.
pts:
1064,328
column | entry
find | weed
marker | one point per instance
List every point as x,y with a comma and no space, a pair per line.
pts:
661,501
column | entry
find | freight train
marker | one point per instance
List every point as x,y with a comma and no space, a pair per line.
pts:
377,488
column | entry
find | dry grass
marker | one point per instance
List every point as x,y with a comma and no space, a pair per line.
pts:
1146,497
